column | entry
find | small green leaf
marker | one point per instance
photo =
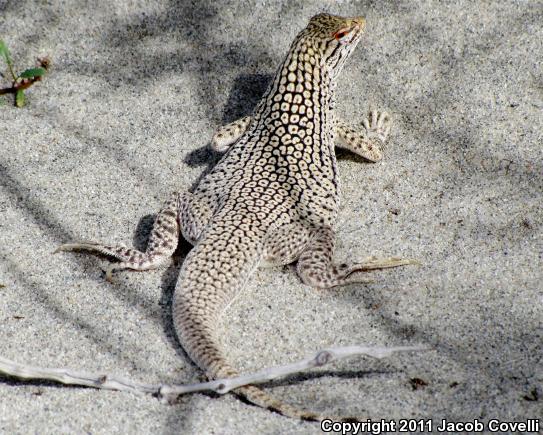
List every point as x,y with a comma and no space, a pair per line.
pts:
20,98
32,72
5,52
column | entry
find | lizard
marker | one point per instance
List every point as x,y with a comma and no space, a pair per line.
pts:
271,200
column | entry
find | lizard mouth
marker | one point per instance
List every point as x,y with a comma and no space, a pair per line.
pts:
359,28
356,28
358,24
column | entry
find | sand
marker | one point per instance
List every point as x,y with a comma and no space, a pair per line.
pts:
125,117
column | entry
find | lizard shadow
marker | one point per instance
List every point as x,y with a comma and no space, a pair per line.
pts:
142,232
343,374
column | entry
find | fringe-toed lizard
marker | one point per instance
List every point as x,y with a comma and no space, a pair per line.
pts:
273,198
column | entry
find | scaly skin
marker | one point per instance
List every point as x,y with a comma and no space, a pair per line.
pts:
272,199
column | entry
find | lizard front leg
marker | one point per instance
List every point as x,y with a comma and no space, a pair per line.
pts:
317,268
369,143
181,212
229,134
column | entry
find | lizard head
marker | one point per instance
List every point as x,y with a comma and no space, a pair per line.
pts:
335,38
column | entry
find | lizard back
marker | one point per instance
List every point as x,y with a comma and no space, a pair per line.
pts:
285,162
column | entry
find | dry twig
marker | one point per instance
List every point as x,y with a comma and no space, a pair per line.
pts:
169,392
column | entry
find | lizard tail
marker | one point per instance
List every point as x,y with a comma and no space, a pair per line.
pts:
209,357
209,279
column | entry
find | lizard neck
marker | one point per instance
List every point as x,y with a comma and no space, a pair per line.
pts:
302,70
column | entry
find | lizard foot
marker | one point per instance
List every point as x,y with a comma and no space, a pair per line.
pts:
377,125
374,263
349,271
128,258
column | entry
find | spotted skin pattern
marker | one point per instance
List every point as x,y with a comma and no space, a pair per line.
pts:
271,200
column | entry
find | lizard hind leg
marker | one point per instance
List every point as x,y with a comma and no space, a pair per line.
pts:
162,243
285,244
317,269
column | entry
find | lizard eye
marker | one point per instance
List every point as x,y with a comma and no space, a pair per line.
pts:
344,36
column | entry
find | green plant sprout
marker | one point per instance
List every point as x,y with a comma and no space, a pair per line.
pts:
23,80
